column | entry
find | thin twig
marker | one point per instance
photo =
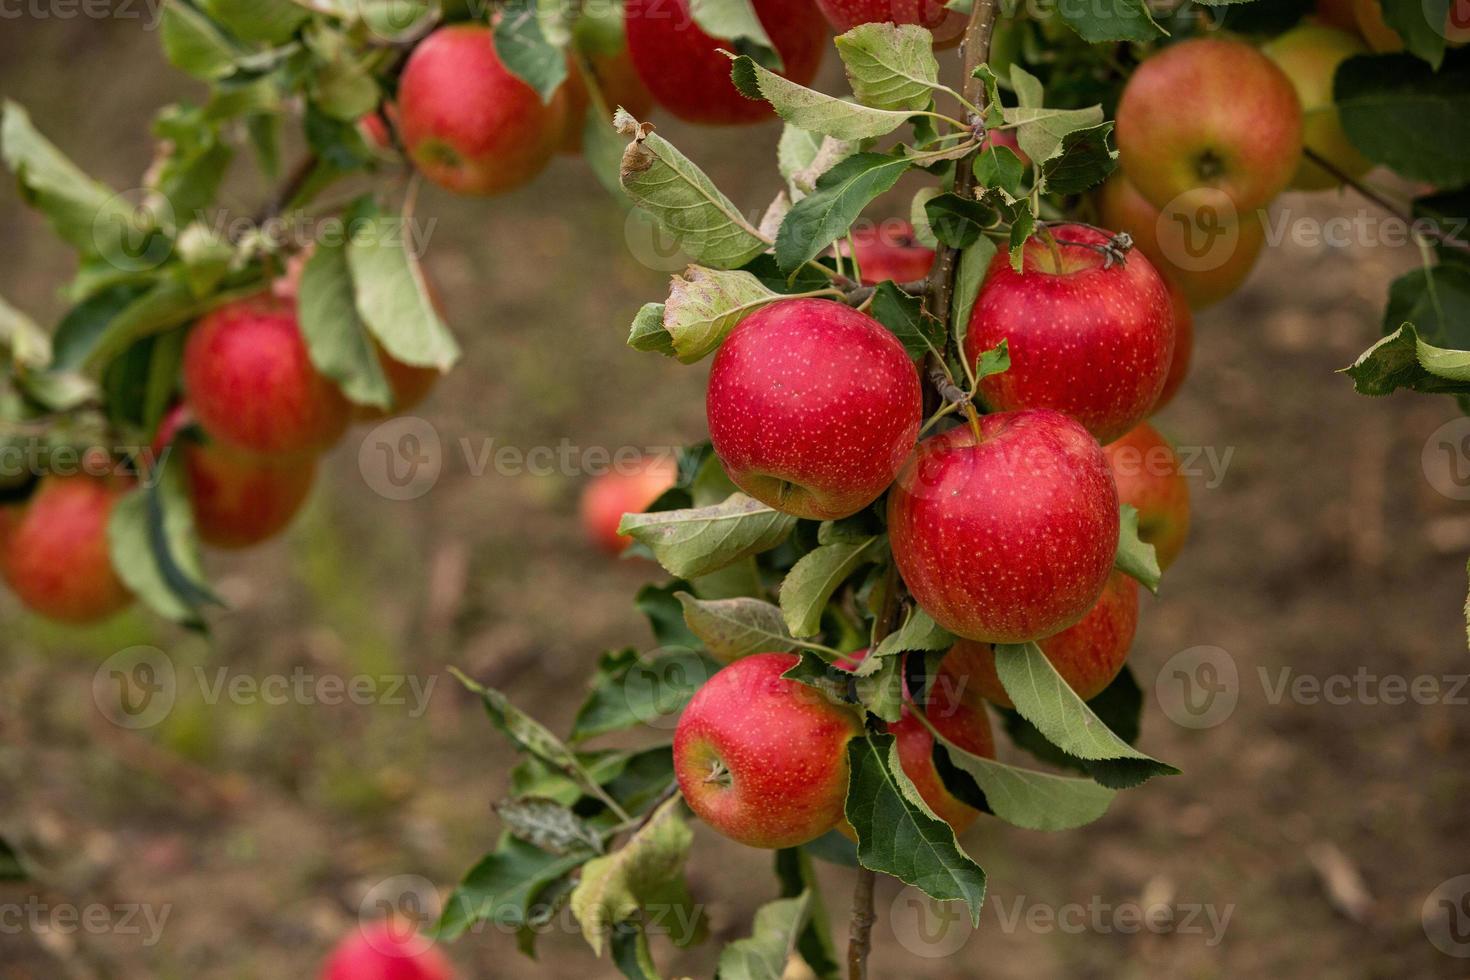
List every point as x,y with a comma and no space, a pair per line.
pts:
1429,227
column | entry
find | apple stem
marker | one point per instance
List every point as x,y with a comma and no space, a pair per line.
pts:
1428,228
719,773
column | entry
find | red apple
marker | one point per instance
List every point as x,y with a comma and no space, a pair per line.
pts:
1338,14
683,68
813,407
1209,251
1088,336
957,713
623,490
1183,347
374,130
889,250
844,15
1088,655
763,759
385,951
1146,469
250,381
54,551
239,499
1310,54
468,123
1210,113
1010,538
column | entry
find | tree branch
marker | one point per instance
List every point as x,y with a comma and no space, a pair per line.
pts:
1429,226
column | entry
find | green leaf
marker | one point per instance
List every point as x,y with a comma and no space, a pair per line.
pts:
195,45
85,213
1421,24
997,360
706,224
959,221
629,691
631,953
735,628
155,549
503,888
1401,113
803,157
22,338
193,162
1112,20
1026,798
12,868
904,316
648,870
336,337
694,542
206,257
969,277
810,583
736,21
1084,160
841,194
704,305
525,50
918,632
549,826
811,110
763,956
1136,557
1043,698
1436,300
890,67
343,85
648,332
258,21
1402,360
897,832
798,877
530,736
998,167
170,303
665,614
393,296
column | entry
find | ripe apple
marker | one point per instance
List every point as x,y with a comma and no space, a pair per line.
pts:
384,951
1183,346
956,712
844,15
813,407
250,381
1146,469
1310,54
1214,113
763,759
468,123
888,250
1011,537
1087,338
1088,655
374,130
623,490
239,499
54,551
683,68
1200,248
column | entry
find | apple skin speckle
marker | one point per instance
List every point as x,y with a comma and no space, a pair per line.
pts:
1094,343
813,408
1010,539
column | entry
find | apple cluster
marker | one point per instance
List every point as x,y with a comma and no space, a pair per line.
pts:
255,417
